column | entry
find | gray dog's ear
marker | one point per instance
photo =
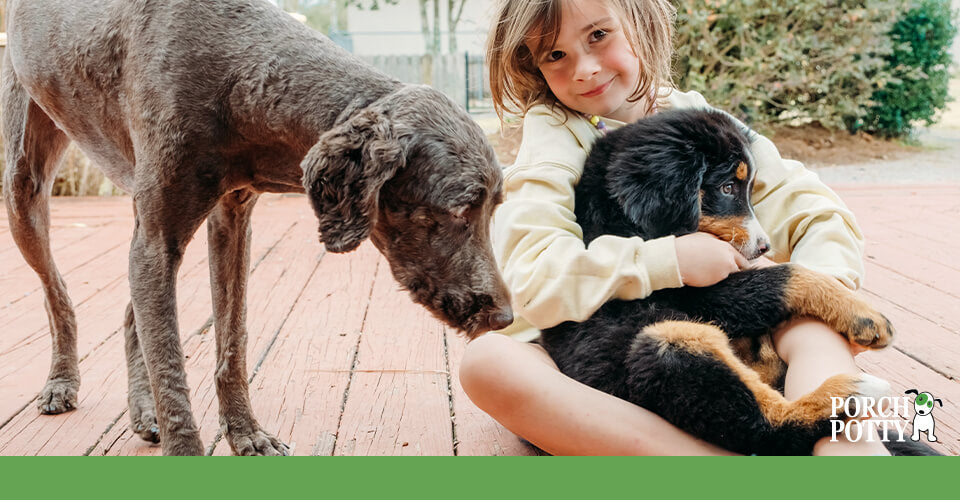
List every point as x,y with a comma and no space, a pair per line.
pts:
343,173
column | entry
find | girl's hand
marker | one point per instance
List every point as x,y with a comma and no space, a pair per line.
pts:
762,262
705,260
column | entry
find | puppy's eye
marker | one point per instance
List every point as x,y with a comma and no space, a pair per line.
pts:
728,188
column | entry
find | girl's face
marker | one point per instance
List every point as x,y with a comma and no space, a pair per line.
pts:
592,68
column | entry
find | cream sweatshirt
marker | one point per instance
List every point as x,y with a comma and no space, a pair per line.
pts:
554,277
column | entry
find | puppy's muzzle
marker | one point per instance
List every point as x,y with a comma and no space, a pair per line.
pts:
758,243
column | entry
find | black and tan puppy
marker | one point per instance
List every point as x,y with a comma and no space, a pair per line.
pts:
702,357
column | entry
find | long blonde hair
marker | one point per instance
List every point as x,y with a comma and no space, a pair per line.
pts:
517,84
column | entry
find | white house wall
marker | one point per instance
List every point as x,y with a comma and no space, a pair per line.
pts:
395,29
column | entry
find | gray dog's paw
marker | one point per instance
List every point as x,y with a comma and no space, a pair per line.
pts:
143,419
58,396
257,443
143,415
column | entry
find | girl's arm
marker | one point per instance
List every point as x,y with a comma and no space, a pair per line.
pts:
539,245
552,275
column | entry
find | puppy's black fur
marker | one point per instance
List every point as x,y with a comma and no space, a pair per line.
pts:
673,174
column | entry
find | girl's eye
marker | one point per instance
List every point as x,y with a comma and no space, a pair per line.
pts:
598,35
727,188
555,55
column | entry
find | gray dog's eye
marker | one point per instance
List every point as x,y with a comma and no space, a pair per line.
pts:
421,217
727,188
460,215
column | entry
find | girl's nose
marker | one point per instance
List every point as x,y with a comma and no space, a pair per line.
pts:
587,67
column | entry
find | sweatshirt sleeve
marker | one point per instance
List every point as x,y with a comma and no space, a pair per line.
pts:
552,275
807,222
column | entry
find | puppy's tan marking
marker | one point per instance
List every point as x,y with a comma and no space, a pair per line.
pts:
708,340
730,229
742,171
809,293
760,355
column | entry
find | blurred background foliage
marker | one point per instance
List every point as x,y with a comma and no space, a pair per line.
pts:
918,68
875,65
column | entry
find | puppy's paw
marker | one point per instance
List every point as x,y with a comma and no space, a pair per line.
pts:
58,395
810,293
869,328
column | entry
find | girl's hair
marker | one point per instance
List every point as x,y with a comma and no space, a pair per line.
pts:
517,84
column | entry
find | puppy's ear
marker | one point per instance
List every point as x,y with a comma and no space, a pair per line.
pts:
661,197
343,173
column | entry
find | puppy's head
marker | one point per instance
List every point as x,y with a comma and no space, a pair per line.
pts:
674,173
415,174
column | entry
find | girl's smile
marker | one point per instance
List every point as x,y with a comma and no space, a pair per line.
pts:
598,90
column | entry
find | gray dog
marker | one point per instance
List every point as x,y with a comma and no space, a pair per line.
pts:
197,107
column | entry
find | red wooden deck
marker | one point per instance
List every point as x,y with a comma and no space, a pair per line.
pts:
344,364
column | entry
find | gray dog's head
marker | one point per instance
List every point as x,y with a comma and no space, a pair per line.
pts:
415,174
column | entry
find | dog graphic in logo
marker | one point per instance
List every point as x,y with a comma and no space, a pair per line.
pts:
923,420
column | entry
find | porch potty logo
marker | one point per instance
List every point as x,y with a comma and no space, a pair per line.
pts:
884,417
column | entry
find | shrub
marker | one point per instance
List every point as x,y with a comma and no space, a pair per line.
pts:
919,70
785,61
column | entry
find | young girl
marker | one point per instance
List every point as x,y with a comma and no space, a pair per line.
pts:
575,68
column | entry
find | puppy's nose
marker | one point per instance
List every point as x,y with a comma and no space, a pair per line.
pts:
500,319
763,246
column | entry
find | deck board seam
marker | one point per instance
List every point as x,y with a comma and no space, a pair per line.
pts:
354,362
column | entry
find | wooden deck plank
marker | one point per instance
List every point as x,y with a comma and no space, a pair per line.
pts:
193,310
396,413
404,386
922,339
913,295
910,236
398,334
99,316
399,390
23,371
75,432
62,238
476,433
83,247
300,387
904,373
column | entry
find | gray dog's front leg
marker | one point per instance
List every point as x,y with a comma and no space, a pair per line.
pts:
143,412
228,232
155,256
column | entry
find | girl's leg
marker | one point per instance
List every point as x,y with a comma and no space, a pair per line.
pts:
813,353
521,387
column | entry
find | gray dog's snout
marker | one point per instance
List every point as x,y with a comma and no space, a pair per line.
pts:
500,319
